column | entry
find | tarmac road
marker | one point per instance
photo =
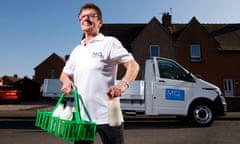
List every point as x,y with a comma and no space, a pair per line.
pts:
17,126
164,131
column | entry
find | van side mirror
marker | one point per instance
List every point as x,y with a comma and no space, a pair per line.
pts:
190,78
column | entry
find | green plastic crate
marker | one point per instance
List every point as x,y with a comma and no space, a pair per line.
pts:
70,130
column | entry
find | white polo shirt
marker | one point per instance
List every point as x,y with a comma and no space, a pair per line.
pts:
94,69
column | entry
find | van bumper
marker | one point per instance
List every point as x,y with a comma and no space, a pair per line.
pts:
220,105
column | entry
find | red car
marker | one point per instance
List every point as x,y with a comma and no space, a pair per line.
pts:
9,92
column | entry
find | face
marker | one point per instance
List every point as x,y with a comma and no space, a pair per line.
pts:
90,22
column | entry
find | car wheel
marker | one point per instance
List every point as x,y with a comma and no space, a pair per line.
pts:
201,114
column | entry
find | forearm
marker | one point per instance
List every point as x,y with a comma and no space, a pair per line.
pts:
132,69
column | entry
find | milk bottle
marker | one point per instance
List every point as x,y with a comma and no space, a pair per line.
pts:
114,112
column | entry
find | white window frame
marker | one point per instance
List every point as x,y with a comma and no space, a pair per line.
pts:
228,87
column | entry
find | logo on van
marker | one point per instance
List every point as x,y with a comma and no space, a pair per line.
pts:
174,94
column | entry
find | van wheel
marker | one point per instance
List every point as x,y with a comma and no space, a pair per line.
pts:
201,114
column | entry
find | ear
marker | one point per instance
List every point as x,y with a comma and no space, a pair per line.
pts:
100,23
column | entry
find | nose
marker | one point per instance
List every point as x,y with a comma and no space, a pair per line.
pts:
85,17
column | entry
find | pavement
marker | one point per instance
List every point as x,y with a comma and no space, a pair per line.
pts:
29,110
26,109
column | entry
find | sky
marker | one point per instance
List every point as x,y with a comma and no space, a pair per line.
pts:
31,30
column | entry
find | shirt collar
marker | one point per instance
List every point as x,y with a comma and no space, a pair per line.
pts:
99,37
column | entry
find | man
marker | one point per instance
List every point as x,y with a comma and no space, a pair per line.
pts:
91,69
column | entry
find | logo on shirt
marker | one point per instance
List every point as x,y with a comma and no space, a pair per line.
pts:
97,54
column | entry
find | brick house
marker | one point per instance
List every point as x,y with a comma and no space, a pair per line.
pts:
51,67
8,80
30,89
210,50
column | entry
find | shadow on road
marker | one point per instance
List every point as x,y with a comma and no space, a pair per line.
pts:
17,124
160,124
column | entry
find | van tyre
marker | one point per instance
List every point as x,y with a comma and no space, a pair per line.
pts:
201,114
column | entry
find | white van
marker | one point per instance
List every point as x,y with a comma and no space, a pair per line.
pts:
169,89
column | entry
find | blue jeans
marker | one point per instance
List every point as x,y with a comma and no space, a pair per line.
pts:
109,135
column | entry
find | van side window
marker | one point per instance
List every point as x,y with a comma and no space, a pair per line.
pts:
170,70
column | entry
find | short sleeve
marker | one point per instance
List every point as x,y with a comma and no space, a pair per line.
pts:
119,53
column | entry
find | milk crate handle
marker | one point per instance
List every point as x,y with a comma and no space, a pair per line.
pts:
77,105
76,99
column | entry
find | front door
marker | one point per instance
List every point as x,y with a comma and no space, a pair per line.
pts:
171,91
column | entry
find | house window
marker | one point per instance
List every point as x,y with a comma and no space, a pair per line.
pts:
228,88
52,73
195,53
154,51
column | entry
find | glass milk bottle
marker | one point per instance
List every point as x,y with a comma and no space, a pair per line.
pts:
67,113
57,112
114,112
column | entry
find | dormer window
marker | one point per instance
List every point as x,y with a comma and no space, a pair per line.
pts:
154,51
195,50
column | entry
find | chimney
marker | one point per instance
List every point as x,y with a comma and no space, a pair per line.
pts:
166,19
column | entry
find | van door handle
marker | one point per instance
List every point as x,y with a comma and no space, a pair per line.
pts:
161,80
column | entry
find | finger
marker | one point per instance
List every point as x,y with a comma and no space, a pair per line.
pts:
66,90
109,93
74,86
